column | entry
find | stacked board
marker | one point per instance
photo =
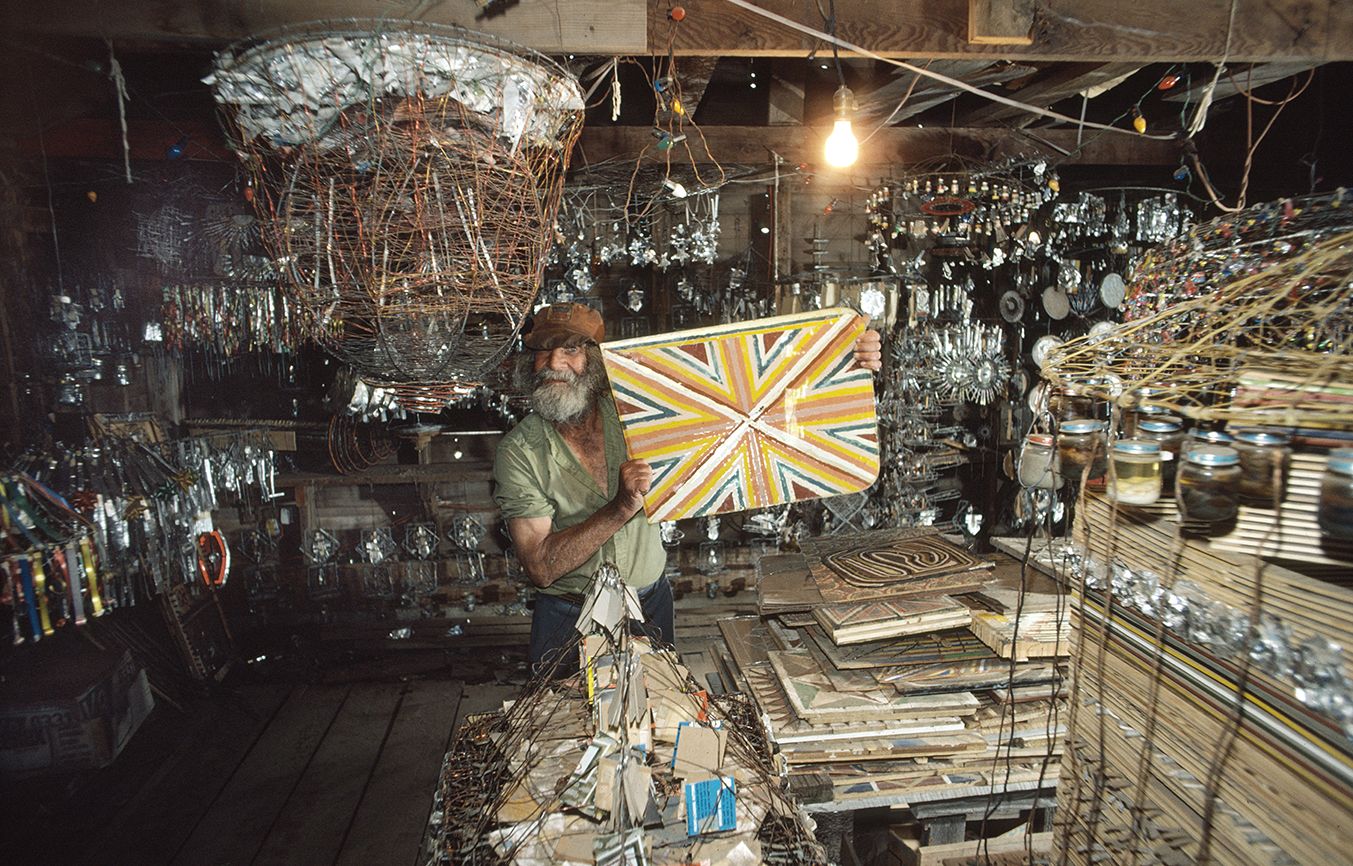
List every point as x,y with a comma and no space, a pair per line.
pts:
1186,745
868,669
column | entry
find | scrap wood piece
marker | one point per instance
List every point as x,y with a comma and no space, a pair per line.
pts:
889,557
788,728
883,618
1038,634
918,649
748,641
812,696
885,748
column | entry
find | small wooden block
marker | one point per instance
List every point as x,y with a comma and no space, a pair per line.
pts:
1000,22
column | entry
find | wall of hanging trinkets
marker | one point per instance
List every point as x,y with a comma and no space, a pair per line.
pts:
120,522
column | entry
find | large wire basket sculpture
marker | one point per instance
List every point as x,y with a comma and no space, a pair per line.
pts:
407,179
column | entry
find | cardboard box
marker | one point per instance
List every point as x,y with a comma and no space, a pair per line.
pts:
69,712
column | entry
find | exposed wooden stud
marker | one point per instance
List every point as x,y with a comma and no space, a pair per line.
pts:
1000,22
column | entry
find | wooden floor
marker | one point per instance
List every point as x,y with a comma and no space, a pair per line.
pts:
327,763
296,775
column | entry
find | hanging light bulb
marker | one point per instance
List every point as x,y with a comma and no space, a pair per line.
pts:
842,147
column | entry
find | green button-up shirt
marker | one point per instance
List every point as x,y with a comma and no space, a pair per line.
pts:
537,475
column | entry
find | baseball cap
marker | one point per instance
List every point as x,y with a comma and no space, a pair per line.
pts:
559,324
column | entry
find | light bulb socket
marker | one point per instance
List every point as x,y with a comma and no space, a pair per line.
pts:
843,102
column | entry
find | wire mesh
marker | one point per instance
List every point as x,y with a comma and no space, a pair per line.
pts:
406,182
1256,323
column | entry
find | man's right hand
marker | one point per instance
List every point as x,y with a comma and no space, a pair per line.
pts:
636,476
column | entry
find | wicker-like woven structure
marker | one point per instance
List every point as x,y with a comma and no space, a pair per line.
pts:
1265,341
407,179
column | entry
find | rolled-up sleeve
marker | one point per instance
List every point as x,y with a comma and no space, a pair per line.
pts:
518,485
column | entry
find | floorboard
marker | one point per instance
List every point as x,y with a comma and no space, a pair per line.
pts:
393,813
187,781
310,828
237,821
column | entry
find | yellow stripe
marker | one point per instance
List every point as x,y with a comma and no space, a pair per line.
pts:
91,576
40,590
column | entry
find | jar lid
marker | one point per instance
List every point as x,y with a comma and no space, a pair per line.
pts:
1212,437
1082,425
1212,455
1039,439
1136,446
1153,409
1262,437
1166,424
1341,461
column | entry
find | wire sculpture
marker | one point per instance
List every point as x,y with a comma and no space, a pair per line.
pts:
1261,335
407,178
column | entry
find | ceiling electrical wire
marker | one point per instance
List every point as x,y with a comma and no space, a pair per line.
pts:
944,79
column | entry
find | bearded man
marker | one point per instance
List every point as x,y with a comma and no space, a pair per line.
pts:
569,494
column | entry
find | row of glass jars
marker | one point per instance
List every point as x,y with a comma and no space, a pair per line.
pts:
1217,470
1252,464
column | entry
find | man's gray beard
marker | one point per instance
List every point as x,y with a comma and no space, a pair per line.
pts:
566,400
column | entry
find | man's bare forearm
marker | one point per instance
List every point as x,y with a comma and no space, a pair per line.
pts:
566,549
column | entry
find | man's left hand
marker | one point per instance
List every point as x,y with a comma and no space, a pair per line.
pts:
869,351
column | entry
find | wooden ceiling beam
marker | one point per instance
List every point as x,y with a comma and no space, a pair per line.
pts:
1070,30
1144,31
576,27
889,146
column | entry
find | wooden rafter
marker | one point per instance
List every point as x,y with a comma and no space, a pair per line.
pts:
928,93
1256,76
1061,83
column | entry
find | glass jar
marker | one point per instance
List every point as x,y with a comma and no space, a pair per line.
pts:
1067,404
1080,443
1132,418
1209,477
1208,437
1135,479
1264,457
1167,431
1336,496
1039,464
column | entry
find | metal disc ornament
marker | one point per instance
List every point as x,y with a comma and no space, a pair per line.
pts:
1042,346
1112,290
1012,307
1055,303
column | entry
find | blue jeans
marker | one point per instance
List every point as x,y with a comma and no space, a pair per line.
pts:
554,638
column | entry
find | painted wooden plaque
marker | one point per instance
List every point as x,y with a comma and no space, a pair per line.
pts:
747,415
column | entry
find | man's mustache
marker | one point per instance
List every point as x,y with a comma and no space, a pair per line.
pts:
556,376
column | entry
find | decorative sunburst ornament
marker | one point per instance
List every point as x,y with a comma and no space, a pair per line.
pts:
969,362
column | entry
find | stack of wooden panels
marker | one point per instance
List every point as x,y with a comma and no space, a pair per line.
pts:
904,667
1163,769
1205,722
